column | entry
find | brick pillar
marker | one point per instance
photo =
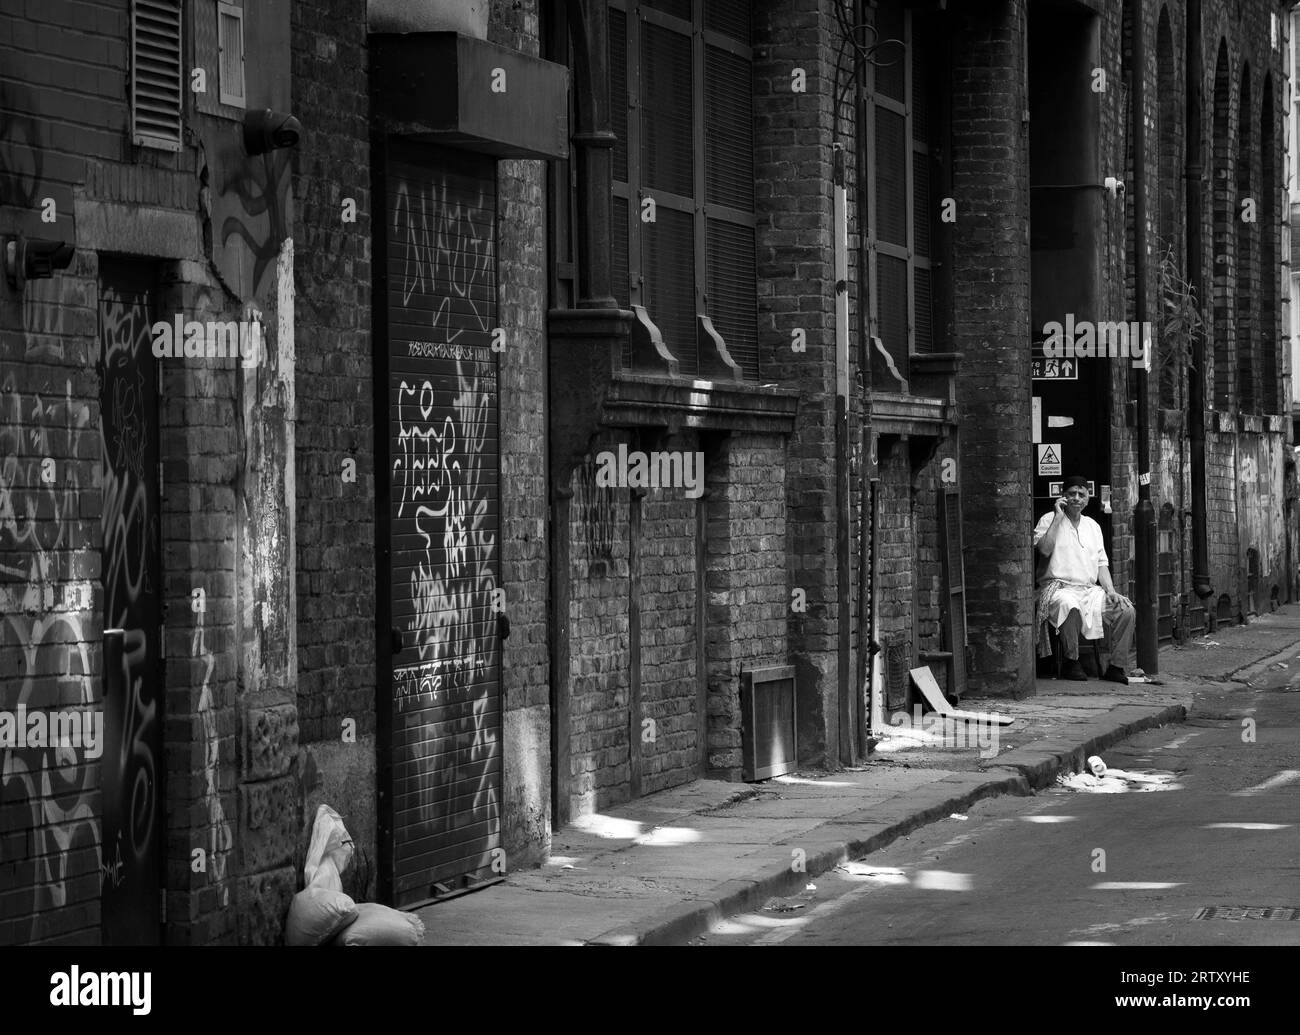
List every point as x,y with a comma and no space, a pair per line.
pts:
747,597
796,290
991,330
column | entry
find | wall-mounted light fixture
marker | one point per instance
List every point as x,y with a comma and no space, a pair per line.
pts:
268,130
26,259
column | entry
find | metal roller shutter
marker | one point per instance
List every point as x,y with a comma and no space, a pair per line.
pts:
445,765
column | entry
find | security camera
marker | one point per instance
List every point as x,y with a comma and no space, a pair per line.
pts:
26,260
268,130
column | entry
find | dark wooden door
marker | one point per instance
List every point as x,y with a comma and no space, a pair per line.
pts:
443,753
132,761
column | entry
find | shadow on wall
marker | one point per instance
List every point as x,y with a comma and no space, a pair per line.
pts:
343,777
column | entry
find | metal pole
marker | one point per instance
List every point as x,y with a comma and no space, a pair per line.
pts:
868,525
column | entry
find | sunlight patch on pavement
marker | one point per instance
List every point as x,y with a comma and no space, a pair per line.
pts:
669,836
758,920
608,826
1135,885
1284,777
883,876
732,928
942,880
813,783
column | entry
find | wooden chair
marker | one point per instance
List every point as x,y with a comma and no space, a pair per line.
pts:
1058,657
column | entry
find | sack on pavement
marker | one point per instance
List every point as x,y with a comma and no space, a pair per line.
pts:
318,914
379,925
321,910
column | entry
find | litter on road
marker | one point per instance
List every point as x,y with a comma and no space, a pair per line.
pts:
1117,781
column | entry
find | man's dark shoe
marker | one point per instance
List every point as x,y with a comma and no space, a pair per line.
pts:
1115,674
1073,670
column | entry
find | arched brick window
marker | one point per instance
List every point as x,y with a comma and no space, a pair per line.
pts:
1269,371
1168,245
1222,188
1247,269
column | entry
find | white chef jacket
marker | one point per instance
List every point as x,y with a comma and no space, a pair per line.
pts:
1079,552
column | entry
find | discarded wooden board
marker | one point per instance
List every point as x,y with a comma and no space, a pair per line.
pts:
929,687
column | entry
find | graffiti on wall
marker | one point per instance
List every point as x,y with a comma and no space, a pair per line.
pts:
594,508
43,652
325,237
21,161
253,208
443,398
447,251
129,524
220,840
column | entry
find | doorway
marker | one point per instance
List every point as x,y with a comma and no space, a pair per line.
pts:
132,767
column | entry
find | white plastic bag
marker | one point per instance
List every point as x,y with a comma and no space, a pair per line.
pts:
329,853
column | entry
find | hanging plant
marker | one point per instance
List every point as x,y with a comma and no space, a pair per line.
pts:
1178,323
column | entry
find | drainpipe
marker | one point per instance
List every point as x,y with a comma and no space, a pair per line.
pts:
1144,517
843,564
868,523
1195,179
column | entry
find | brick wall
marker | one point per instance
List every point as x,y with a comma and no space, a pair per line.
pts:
51,602
748,585
521,264
336,522
668,632
62,101
599,666
63,136
197,414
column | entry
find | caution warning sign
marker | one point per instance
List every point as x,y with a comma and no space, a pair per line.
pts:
1049,459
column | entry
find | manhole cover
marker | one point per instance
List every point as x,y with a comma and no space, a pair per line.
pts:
1247,913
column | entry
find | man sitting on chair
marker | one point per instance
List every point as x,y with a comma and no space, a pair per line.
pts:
1077,593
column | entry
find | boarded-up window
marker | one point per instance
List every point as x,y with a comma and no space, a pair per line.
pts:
156,74
682,95
907,122
230,33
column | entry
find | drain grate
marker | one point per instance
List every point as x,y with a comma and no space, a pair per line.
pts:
1247,913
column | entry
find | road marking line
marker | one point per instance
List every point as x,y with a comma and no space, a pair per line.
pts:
1284,777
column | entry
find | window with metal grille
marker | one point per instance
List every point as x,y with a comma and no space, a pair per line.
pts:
682,98
230,35
156,74
906,124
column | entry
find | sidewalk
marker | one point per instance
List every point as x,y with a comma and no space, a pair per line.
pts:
660,869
